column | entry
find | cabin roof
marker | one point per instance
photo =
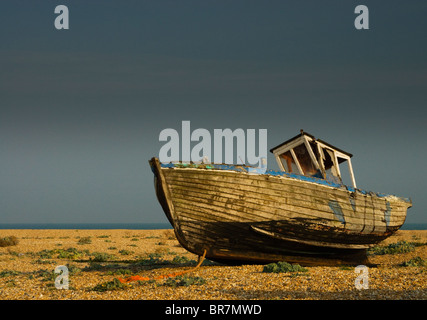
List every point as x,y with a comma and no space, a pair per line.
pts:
312,137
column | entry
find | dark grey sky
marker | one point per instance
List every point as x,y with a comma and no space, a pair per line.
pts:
81,109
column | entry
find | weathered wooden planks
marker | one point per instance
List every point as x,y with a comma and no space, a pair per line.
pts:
303,200
267,203
237,215
261,199
276,185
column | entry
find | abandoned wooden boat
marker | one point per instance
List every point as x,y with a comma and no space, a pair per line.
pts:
301,214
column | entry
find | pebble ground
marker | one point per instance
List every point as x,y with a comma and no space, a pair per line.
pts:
27,273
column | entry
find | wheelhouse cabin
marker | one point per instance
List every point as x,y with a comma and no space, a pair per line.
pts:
308,156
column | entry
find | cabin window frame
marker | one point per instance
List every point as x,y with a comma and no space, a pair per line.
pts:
289,147
336,154
317,162
287,162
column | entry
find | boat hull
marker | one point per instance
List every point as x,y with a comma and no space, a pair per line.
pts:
238,216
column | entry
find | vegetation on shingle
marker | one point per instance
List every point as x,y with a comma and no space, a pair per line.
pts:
101,257
85,240
8,241
70,253
415,262
283,266
185,281
115,284
393,248
9,273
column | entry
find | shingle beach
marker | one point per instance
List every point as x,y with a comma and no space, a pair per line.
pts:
96,259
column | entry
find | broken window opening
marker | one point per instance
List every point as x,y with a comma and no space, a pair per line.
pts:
345,171
305,161
331,171
289,162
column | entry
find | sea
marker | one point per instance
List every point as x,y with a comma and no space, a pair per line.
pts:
132,226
